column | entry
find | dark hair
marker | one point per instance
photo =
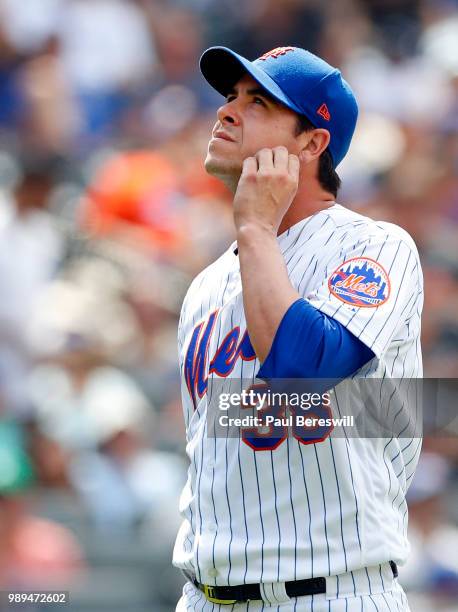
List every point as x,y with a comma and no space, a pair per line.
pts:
327,176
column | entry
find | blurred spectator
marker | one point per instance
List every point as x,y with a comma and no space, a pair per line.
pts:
34,552
79,398
255,27
103,419
127,485
108,51
51,119
29,30
137,193
30,249
432,567
10,91
397,23
50,459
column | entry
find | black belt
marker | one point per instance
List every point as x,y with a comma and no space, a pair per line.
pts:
245,592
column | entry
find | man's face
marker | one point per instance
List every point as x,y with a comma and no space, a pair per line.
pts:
249,121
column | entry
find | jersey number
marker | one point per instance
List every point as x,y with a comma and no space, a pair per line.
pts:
269,436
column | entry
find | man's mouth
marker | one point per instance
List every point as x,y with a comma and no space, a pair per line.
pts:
223,136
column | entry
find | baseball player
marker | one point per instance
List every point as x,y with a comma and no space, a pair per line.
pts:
309,289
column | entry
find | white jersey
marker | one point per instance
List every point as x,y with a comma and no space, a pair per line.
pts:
300,510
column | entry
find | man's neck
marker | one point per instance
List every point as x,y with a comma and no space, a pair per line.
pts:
310,199
307,202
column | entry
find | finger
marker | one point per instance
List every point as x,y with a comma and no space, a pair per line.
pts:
294,166
280,158
250,166
265,159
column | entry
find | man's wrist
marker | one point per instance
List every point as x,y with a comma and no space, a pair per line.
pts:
249,233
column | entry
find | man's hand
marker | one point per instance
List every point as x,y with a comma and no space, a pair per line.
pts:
266,188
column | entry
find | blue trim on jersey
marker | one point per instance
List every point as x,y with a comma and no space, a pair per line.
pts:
310,344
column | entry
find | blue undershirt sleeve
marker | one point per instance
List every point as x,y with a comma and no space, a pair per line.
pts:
310,344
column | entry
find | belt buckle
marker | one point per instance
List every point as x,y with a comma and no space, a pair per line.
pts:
209,591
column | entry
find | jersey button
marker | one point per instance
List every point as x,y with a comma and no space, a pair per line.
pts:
213,572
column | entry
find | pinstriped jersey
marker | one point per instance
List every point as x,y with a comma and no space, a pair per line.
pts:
300,510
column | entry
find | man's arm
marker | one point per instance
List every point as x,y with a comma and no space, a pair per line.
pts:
265,191
267,290
291,337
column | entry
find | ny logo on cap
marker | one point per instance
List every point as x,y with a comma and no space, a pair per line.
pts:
276,52
323,111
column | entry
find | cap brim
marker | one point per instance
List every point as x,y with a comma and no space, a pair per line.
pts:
222,68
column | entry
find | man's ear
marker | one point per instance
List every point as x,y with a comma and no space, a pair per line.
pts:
315,142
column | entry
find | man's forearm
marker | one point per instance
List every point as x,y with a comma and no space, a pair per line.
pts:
267,290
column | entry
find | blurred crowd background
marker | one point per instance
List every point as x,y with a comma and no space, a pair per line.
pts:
106,215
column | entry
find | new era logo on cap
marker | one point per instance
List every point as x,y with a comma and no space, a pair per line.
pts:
276,52
323,111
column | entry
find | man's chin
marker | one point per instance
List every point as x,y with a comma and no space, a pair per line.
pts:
223,169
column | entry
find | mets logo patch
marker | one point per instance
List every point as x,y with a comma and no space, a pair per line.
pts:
360,282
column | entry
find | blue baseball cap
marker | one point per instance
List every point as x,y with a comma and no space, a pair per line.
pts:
298,79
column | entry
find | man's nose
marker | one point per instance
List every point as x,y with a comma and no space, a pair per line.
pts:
228,113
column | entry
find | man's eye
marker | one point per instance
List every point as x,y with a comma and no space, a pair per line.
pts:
257,100
230,98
